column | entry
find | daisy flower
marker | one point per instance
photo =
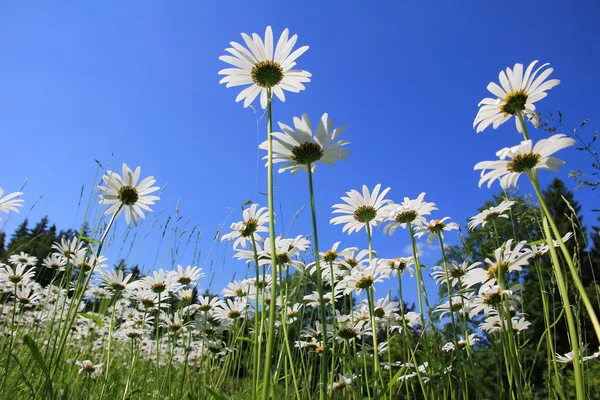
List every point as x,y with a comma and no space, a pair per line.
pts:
507,260
89,368
458,303
400,264
462,343
254,221
455,271
518,94
186,276
22,259
55,262
435,227
363,278
342,382
523,159
490,214
264,69
68,248
230,310
9,203
157,283
116,280
15,275
297,148
360,209
125,193
207,303
490,297
409,211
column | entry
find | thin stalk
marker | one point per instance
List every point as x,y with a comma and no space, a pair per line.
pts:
574,274
323,309
271,332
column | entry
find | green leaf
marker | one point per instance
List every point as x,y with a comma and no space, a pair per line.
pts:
37,356
93,317
215,394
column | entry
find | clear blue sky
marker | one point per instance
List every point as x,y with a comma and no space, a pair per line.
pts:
137,82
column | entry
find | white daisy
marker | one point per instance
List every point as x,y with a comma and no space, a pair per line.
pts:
262,68
297,148
360,209
400,264
363,278
409,211
116,280
506,260
55,262
127,194
456,272
186,276
254,221
490,214
89,368
69,248
518,93
435,227
9,203
22,259
522,159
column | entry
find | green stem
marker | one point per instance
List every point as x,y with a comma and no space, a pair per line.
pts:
322,306
574,274
271,332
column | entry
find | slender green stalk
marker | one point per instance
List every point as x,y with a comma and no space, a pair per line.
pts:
574,338
322,306
574,274
255,347
271,332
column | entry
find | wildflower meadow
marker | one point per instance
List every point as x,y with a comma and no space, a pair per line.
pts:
132,302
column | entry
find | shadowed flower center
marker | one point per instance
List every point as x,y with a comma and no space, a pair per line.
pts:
118,286
249,227
184,280
365,214
283,258
128,195
491,216
240,293
267,73
492,299
454,307
307,152
351,262
406,217
456,273
261,284
379,312
147,302
515,101
365,282
15,278
159,287
85,266
205,307
347,333
234,314
88,367
496,268
436,226
523,162
330,256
